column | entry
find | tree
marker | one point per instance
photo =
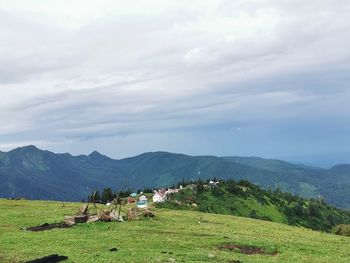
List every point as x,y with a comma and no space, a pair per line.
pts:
314,210
253,214
217,191
233,188
107,195
199,186
298,210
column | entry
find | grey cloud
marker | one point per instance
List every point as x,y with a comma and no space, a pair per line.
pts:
213,64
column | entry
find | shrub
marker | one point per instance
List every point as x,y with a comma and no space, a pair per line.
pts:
342,229
217,191
234,189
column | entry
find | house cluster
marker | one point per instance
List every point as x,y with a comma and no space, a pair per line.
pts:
158,196
161,195
140,201
213,183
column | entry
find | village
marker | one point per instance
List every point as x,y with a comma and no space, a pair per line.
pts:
161,195
135,206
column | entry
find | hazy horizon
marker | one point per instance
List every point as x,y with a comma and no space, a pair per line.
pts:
317,161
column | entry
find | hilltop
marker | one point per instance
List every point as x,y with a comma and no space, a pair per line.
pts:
172,236
245,199
36,174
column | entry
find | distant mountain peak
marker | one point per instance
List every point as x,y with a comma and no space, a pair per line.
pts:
30,147
95,153
27,148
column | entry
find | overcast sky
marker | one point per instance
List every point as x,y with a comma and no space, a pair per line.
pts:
265,78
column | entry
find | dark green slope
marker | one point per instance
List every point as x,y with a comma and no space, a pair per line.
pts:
332,184
36,174
298,179
162,168
246,199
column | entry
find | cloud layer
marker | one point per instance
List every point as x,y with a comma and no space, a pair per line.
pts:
118,76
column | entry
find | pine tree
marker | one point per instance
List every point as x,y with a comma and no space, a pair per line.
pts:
107,195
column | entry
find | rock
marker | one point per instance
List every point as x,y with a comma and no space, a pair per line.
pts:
194,205
148,213
105,216
116,217
69,220
92,219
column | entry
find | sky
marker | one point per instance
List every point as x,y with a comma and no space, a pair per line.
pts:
265,78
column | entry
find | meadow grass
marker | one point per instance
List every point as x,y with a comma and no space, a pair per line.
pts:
172,236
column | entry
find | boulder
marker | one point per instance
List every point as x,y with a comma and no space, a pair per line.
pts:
116,217
69,220
105,215
148,213
92,218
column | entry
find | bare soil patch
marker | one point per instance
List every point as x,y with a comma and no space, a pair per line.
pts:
246,249
47,226
48,259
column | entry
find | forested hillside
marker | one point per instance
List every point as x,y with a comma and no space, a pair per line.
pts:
246,199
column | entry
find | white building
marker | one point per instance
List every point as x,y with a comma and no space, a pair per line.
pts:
159,196
142,203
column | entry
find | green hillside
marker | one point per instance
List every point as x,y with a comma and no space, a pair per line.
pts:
172,236
35,174
245,199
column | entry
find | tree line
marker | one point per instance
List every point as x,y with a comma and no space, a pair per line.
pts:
107,194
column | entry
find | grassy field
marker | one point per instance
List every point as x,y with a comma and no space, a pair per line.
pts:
172,236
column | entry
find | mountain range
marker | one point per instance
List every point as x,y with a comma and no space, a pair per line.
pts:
37,174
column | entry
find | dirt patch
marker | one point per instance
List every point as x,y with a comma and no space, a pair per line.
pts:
48,259
246,249
203,235
47,226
